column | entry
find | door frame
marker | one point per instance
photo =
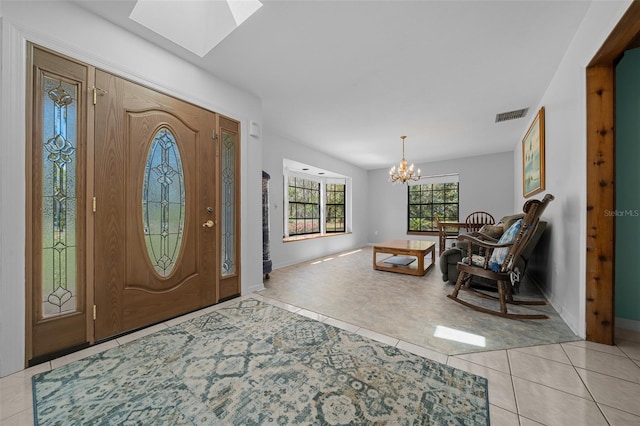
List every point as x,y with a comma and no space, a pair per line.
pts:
600,185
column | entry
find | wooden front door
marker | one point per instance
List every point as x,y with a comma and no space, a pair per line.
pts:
155,212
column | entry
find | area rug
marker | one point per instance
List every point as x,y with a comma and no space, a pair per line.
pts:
253,363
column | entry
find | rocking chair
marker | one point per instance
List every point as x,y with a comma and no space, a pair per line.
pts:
497,262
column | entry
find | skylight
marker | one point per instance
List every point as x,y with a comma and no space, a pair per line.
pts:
196,25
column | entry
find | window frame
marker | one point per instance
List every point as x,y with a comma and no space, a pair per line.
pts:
337,206
437,209
305,204
323,181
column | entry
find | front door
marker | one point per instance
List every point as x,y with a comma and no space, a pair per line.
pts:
123,226
155,212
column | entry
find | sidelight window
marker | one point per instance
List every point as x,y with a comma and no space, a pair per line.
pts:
59,198
228,182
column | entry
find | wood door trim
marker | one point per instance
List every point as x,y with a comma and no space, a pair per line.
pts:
90,236
599,306
600,257
29,134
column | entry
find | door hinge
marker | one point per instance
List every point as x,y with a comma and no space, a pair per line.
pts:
214,135
94,313
97,90
93,204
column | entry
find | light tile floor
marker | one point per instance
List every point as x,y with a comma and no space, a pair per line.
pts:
572,383
569,383
539,372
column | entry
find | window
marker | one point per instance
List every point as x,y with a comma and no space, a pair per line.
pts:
335,207
304,206
429,201
316,201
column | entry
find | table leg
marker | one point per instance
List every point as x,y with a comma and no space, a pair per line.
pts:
432,250
375,255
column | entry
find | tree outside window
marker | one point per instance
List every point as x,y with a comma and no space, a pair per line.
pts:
335,205
430,202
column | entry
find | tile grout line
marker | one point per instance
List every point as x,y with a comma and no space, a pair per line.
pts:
513,388
576,367
614,408
585,384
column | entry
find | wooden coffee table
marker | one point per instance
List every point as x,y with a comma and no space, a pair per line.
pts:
409,248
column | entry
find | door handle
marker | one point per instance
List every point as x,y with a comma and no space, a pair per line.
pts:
208,224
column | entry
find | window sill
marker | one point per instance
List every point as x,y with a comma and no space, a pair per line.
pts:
434,233
312,236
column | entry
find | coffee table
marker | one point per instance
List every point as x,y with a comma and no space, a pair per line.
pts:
409,248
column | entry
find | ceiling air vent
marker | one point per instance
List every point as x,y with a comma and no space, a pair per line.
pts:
511,115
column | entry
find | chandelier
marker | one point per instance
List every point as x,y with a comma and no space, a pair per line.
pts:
404,171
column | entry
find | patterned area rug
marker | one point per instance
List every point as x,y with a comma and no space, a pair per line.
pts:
254,363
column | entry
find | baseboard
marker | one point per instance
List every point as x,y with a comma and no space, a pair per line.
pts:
570,320
314,258
253,288
627,324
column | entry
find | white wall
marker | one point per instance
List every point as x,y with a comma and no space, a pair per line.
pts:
565,127
108,47
486,184
277,148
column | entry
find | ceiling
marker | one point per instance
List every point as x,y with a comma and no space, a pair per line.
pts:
348,78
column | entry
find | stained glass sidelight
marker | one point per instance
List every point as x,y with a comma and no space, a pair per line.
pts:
59,111
163,202
228,204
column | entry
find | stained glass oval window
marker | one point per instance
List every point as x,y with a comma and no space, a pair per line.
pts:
163,202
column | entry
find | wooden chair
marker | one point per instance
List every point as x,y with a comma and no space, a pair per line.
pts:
445,235
476,219
503,272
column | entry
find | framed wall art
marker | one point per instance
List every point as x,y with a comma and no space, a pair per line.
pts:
533,157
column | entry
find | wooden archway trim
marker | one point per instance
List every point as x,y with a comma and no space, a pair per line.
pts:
600,274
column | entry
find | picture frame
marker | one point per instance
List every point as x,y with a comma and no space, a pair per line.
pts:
533,157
